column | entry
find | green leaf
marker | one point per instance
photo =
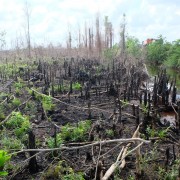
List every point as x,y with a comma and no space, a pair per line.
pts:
3,173
3,158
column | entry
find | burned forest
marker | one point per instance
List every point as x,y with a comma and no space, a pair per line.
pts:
77,118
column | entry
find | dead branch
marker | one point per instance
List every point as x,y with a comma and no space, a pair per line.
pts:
97,163
123,153
86,146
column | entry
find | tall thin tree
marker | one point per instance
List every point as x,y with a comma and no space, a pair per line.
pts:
98,37
122,43
27,18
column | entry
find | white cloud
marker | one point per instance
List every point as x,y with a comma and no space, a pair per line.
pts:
52,19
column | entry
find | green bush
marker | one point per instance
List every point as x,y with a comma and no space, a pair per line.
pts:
133,47
19,124
157,51
162,52
79,132
173,59
23,129
71,133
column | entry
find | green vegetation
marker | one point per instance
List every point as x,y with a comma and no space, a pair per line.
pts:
76,86
173,59
163,52
62,171
172,173
8,142
133,47
110,132
19,84
157,170
16,102
157,51
2,115
14,130
3,96
71,133
157,133
19,124
4,158
51,141
47,103
125,103
144,108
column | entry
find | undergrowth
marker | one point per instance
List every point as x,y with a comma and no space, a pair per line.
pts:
71,133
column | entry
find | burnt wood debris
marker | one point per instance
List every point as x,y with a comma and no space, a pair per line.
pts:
117,98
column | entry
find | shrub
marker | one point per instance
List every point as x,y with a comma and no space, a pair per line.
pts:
71,133
19,123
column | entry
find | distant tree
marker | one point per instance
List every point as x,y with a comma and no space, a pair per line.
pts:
133,47
173,59
157,51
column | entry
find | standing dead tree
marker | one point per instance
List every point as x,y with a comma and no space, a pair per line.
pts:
122,43
27,31
98,38
108,33
2,39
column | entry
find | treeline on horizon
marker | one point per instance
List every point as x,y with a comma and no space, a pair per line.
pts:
93,42
158,52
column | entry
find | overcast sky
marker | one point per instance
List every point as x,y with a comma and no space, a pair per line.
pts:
50,20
